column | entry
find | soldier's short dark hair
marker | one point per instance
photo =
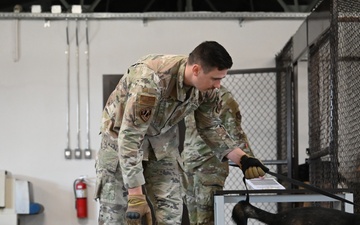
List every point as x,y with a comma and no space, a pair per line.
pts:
210,55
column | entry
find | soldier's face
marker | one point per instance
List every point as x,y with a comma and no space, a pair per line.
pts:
210,80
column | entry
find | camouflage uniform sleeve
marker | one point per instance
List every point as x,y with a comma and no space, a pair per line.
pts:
142,98
209,125
196,151
230,116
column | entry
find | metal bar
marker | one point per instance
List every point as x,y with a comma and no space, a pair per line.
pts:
82,4
289,127
67,53
16,46
256,71
284,198
349,207
179,5
67,152
295,127
296,3
188,6
78,82
212,7
147,7
266,162
219,205
66,5
158,16
278,191
275,162
311,5
283,4
87,53
93,5
308,187
252,6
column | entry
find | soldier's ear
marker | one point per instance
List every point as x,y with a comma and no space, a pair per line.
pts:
196,69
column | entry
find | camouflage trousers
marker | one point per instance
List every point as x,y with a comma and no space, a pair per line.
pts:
163,188
112,197
199,185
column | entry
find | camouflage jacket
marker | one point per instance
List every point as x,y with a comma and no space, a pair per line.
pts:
149,99
196,151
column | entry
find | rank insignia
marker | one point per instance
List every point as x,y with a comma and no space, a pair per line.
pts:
145,114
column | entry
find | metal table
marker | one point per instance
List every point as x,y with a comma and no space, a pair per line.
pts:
296,195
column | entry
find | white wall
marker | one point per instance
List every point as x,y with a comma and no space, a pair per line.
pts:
33,90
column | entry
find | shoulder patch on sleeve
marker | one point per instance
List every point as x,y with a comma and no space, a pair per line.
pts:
145,113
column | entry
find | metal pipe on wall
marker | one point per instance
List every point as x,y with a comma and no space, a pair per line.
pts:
77,55
87,151
67,152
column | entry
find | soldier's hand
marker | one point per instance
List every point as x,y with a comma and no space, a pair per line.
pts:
137,208
252,167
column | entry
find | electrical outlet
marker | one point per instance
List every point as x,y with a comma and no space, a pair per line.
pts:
78,153
67,153
87,153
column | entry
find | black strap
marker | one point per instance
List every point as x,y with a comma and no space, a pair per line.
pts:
310,187
247,190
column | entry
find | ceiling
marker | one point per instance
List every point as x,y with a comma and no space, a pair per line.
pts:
166,5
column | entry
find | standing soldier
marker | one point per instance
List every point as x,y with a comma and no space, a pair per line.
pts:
204,172
140,133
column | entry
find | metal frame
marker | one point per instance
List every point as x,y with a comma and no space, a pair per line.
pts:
158,16
256,196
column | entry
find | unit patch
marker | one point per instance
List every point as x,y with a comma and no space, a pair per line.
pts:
145,113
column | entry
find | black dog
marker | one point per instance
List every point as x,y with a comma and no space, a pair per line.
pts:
297,216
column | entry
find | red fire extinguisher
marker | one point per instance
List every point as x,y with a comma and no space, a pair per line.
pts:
80,197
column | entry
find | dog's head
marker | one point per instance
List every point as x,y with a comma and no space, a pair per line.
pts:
238,213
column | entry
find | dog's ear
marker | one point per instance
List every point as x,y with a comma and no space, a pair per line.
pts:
238,214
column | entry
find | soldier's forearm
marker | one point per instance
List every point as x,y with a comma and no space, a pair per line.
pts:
135,191
235,155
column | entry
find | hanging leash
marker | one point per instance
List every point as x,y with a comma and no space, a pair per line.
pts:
304,185
247,190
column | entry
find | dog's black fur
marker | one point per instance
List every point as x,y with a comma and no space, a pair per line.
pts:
297,216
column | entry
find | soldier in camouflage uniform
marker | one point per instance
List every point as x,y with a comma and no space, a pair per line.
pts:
140,133
204,172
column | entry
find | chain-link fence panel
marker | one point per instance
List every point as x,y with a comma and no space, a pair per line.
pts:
334,68
257,92
346,20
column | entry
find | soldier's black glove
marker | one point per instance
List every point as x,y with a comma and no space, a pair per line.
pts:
252,167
